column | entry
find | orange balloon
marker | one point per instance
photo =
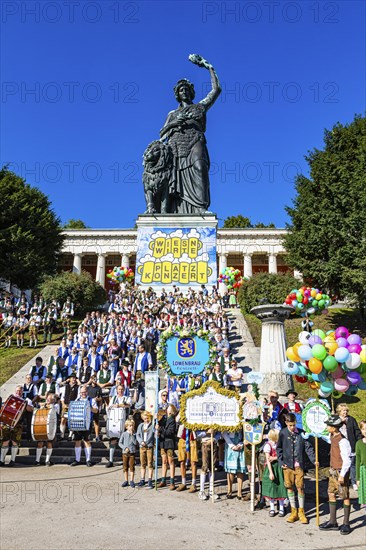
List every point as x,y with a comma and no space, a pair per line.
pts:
315,365
296,346
314,385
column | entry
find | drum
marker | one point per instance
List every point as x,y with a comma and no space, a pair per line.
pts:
44,424
12,410
115,422
79,415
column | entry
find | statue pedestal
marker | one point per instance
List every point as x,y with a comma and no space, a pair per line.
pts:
176,250
273,348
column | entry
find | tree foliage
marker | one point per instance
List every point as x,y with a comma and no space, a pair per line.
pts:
326,238
75,224
30,233
82,289
239,221
272,287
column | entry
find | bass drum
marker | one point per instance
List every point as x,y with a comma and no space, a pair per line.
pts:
12,410
115,422
44,424
79,415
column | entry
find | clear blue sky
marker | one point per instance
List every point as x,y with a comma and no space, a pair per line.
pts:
102,75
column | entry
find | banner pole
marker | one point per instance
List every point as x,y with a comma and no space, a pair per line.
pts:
212,468
317,481
156,426
252,480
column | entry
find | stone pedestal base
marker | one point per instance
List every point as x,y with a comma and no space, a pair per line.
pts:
176,250
273,348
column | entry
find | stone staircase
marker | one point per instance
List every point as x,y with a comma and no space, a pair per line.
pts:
243,348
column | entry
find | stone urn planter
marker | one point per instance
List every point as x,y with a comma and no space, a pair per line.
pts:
273,347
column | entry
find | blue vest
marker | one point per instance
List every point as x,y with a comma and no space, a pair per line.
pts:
144,363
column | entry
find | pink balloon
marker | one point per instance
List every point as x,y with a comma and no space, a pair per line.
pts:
341,385
355,348
338,372
341,332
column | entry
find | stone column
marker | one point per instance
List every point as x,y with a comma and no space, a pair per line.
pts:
222,266
100,273
247,265
272,263
76,268
125,260
273,348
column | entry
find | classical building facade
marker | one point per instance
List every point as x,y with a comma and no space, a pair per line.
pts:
99,250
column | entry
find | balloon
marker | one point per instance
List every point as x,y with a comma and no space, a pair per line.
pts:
342,342
313,340
354,361
319,352
320,333
363,356
321,377
337,394
341,385
304,352
338,373
341,332
327,387
315,365
355,348
311,310
323,394
354,339
331,347
292,355
353,378
301,379
304,337
341,354
314,385
330,363
289,367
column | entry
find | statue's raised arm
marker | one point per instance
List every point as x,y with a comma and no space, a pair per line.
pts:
211,97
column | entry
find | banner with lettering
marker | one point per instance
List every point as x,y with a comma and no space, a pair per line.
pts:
170,256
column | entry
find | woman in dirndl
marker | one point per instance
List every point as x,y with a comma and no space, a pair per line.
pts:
361,466
273,486
234,463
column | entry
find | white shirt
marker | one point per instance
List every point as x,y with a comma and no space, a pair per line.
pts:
234,372
345,449
139,359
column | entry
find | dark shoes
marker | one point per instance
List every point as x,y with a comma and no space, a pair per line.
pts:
11,464
345,529
327,526
89,463
75,463
109,464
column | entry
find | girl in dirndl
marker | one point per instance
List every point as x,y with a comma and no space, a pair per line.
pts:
234,463
273,486
361,465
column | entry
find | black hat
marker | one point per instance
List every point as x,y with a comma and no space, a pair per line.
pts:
291,391
334,420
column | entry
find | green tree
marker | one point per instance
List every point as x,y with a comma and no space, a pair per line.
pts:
326,238
272,287
237,221
261,225
82,289
74,224
30,233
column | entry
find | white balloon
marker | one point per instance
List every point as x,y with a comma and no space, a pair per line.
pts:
354,361
304,337
324,394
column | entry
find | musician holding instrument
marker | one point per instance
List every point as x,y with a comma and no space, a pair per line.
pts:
118,401
13,434
84,435
49,404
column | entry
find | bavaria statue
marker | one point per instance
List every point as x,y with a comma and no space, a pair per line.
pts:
176,167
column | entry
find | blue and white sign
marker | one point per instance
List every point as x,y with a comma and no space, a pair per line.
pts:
255,377
187,355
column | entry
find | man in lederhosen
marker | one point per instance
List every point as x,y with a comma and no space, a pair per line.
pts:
84,435
13,435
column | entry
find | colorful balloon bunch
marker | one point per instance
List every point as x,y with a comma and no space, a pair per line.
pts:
121,275
231,277
332,362
308,301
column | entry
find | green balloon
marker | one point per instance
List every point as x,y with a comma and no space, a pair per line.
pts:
319,352
303,370
330,363
321,304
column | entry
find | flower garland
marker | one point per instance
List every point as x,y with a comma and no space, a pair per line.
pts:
201,391
161,347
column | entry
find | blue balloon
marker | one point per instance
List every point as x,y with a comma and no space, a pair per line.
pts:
321,377
352,390
304,352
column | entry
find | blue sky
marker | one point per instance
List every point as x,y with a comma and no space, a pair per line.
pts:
102,75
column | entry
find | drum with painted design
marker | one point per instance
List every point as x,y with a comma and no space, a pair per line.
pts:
79,415
12,410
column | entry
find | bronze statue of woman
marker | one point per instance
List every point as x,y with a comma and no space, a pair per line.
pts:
184,132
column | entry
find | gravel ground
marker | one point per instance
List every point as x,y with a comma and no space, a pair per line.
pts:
82,508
